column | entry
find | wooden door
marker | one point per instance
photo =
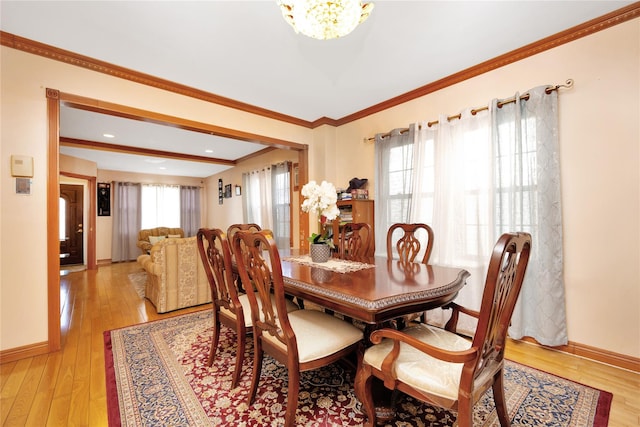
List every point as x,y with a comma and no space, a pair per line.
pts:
71,224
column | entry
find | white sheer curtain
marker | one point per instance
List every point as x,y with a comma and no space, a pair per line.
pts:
257,198
474,178
126,221
189,210
453,162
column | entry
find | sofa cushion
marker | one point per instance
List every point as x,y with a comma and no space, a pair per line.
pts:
155,239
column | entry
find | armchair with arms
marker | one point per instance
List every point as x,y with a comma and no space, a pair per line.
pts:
439,366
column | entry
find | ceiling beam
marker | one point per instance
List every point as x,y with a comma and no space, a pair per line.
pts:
127,149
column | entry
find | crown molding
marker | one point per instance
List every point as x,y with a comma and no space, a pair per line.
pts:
590,27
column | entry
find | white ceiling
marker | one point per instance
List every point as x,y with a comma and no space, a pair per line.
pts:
244,50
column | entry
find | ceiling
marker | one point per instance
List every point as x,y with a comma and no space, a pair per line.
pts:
245,51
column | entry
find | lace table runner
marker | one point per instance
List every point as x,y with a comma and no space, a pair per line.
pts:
337,265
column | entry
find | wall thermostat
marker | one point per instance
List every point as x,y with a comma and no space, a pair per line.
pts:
22,166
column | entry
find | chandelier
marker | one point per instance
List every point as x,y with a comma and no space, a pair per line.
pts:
325,19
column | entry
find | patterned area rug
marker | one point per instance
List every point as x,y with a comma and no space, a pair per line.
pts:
157,376
138,281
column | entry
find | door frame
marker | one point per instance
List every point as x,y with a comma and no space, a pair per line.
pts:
90,229
54,98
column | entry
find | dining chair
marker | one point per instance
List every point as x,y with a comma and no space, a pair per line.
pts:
230,307
355,241
234,228
301,340
442,368
402,236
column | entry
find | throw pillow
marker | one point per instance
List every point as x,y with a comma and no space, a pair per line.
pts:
155,239
173,236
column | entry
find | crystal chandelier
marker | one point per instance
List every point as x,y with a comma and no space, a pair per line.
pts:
325,19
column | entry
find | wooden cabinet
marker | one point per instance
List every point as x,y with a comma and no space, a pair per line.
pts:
354,211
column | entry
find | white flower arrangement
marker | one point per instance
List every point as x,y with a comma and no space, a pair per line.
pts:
321,200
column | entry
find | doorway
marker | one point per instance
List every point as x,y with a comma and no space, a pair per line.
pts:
71,233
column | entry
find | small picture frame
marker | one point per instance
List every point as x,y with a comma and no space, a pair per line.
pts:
295,176
227,191
238,190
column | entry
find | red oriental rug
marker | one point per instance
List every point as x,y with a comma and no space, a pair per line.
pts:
157,376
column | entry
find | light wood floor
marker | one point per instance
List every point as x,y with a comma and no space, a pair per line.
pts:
67,388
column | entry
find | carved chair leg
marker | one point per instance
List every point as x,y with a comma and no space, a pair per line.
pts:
499,399
242,337
292,396
465,413
215,336
363,390
257,368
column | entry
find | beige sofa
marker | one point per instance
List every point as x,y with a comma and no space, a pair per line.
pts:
175,275
146,236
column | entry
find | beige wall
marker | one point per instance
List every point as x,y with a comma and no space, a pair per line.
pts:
600,160
230,212
23,219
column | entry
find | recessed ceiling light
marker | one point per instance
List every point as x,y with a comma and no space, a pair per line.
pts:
162,168
208,151
108,135
155,161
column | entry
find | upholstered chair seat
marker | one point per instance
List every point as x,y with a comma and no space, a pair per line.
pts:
415,368
318,335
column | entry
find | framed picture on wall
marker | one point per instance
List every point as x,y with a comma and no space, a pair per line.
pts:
104,199
220,195
227,191
295,176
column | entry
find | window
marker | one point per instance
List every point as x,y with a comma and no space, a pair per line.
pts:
160,206
473,178
281,192
267,198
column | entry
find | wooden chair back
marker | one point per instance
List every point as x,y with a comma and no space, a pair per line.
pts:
215,254
407,244
505,275
234,228
258,262
355,241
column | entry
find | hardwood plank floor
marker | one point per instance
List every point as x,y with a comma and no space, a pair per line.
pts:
68,387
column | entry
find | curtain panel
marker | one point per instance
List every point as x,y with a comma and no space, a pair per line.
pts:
474,178
126,221
189,210
257,198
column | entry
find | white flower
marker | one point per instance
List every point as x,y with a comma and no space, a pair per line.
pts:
320,199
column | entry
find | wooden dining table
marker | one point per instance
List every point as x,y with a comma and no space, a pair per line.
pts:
381,290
